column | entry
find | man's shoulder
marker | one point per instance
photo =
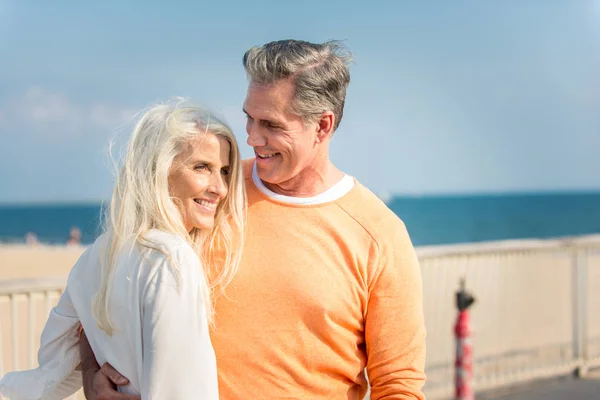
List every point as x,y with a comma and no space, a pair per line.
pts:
369,211
247,167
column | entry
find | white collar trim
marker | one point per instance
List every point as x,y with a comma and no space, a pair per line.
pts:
335,192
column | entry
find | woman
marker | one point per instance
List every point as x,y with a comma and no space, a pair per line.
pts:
141,291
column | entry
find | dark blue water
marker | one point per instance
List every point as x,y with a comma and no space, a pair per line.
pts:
430,220
51,223
445,220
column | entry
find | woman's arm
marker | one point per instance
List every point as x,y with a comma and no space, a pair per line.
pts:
178,358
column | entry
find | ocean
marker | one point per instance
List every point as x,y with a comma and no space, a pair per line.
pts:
430,220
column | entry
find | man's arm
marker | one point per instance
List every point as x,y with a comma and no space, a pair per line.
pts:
100,383
395,327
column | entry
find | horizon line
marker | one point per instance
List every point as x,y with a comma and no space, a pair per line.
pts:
388,194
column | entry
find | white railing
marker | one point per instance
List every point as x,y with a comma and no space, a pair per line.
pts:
537,311
24,307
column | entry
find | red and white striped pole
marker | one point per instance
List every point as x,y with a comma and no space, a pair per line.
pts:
463,366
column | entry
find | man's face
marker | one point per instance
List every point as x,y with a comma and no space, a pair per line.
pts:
283,144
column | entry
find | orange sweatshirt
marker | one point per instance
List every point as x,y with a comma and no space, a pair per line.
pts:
323,291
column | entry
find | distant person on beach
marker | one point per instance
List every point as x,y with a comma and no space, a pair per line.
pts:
74,237
31,239
329,283
141,292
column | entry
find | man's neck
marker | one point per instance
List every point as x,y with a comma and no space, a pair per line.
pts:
311,181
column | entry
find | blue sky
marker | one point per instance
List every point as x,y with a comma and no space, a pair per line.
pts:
446,97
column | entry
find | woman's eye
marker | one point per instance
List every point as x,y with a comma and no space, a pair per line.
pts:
201,167
225,171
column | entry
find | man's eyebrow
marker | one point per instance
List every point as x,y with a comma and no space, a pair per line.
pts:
272,121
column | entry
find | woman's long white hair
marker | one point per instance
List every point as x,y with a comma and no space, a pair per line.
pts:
141,200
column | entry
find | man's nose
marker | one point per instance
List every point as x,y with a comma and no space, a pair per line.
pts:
256,137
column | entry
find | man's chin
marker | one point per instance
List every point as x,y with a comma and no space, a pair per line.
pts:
268,179
268,176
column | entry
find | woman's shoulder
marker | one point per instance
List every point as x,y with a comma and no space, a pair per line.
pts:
164,239
168,249
89,261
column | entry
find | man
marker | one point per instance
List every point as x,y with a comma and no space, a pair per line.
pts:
329,283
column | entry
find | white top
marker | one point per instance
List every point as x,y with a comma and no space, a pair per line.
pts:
335,192
162,343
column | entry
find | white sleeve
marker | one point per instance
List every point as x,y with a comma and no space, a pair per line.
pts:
178,358
55,378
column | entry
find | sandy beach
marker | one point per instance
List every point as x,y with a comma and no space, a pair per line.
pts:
20,261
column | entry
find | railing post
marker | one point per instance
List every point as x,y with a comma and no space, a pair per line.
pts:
1,352
15,330
30,339
580,298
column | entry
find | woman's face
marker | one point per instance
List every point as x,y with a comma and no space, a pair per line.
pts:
198,179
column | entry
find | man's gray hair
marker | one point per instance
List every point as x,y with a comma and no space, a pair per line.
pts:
320,74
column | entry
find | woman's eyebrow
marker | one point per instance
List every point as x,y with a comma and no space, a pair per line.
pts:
199,160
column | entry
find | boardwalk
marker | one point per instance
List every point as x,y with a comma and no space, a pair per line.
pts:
557,389
536,313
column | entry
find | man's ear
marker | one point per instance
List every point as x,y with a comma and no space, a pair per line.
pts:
325,126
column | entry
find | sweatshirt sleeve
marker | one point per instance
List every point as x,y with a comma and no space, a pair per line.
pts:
58,357
178,357
395,327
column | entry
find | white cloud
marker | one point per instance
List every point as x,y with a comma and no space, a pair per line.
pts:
103,115
45,106
56,112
